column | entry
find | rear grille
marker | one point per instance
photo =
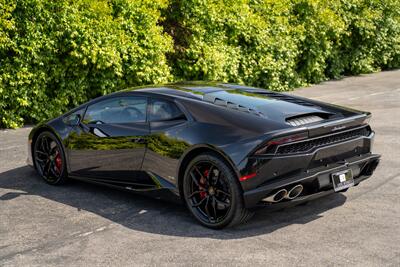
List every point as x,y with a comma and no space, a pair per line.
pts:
305,146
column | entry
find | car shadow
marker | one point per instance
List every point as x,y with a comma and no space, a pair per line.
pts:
145,214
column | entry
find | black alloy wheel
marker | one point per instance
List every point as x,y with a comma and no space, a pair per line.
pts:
212,192
49,159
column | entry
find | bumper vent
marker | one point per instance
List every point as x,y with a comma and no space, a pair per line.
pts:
305,146
303,120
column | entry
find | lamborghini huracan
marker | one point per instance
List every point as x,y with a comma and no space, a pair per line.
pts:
225,150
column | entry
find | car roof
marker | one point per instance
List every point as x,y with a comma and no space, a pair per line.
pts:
251,100
232,96
193,90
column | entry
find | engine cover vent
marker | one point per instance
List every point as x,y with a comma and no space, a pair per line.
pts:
298,121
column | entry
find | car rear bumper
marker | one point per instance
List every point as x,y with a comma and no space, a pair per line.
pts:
316,182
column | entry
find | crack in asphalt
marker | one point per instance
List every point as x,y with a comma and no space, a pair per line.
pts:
57,243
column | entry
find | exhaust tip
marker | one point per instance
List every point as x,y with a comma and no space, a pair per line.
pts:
295,192
281,194
278,196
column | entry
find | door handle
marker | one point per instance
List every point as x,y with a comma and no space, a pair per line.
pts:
139,140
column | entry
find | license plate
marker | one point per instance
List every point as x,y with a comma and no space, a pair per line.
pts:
342,180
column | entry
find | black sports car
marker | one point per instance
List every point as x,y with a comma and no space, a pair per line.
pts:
223,149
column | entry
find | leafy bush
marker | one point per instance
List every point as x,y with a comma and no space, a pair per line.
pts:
282,44
238,41
58,54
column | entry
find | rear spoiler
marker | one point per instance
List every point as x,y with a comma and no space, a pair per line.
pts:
338,124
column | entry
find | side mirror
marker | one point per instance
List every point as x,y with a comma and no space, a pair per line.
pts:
73,120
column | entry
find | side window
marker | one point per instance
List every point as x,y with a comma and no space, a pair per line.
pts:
162,110
117,110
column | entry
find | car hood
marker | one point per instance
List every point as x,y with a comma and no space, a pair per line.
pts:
274,107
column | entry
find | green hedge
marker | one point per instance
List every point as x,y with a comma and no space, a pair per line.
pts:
282,44
57,54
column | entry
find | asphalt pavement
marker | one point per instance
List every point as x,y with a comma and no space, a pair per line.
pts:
86,225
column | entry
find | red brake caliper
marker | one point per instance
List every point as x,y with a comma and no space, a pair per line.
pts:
58,162
203,182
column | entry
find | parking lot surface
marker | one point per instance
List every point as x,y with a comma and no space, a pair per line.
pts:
84,225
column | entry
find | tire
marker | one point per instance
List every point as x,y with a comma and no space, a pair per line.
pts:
49,158
210,184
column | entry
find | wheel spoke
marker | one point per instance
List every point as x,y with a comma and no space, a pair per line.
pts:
46,168
213,204
41,152
48,144
209,172
194,179
42,144
45,144
223,192
201,175
40,160
206,209
53,151
224,204
42,164
197,170
195,192
198,204
53,171
217,179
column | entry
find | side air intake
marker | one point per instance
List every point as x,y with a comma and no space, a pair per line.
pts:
228,104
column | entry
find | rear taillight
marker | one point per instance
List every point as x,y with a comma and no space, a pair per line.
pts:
270,145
